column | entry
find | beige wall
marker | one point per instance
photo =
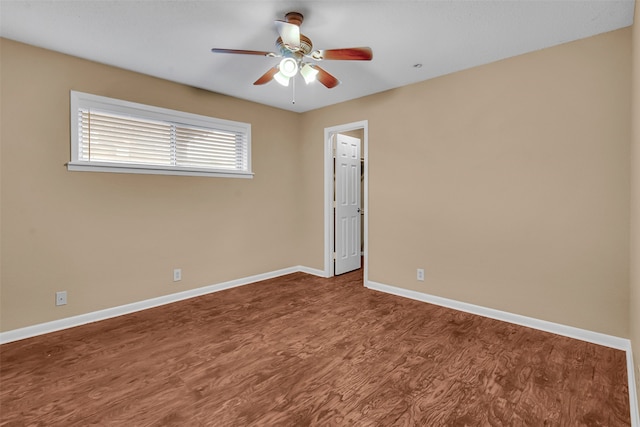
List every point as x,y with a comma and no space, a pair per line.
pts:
635,200
112,239
508,183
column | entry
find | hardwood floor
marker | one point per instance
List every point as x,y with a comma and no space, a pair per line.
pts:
301,350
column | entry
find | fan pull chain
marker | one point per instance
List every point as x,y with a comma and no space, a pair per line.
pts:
293,96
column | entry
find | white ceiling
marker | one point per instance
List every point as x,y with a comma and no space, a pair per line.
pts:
172,39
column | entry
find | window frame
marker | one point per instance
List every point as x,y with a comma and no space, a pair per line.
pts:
80,100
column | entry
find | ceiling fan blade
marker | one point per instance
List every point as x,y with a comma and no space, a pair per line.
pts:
243,52
290,34
266,77
349,54
325,78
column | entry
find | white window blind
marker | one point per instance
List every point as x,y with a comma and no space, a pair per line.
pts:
119,136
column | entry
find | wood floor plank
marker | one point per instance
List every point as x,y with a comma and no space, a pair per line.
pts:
301,350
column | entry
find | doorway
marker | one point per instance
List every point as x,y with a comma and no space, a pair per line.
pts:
359,130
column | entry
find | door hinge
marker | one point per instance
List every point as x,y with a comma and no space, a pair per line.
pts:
334,256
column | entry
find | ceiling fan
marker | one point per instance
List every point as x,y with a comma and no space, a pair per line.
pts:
295,48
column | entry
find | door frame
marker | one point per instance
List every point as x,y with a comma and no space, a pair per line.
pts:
328,195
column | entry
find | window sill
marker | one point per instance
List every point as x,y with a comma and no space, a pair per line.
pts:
153,170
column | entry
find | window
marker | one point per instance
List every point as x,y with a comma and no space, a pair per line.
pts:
110,135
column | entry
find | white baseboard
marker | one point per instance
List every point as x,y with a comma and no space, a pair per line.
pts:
312,271
633,391
543,325
530,322
70,322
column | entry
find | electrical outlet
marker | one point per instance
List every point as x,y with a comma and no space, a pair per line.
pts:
61,298
420,274
177,274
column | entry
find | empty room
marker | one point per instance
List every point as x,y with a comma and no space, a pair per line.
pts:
368,213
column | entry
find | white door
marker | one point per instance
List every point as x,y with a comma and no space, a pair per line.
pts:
347,212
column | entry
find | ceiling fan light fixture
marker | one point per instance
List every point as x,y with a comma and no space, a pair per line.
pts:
288,67
309,73
281,78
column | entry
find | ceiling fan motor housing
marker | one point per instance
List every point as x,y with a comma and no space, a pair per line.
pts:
305,47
